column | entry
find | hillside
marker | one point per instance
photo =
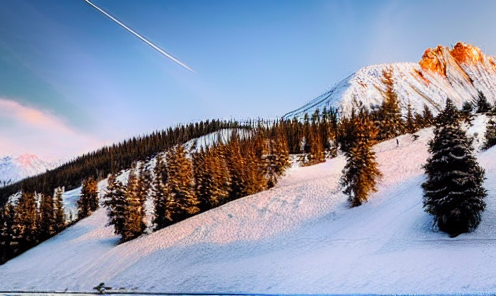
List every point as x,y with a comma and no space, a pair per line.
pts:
459,73
299,237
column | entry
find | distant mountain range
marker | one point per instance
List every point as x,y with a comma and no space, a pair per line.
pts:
460,73
17,167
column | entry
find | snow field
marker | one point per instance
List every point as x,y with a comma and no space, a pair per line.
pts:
299,237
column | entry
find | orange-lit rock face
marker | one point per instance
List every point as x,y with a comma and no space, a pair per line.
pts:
464,53
431,62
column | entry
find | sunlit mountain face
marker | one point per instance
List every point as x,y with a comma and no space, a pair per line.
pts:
17,167
461,73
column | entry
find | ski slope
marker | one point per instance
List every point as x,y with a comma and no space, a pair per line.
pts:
299,237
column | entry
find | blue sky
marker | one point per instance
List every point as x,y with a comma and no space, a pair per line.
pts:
87,82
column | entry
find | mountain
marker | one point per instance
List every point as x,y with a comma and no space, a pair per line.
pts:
17,167
299,237
459,73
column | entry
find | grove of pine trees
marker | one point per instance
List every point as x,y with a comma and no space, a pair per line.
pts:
453,191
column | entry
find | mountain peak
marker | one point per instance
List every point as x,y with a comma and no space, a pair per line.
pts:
17,167
460,73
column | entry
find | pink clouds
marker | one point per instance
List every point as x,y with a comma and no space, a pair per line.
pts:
27,129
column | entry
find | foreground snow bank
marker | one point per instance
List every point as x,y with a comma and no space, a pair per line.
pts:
299,237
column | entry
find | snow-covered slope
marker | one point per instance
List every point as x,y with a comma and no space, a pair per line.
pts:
299,237
442,73
17,167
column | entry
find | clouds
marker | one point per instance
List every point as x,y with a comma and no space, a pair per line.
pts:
28,129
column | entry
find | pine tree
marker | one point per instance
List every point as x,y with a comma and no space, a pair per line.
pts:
6,232
410,124
88,203
181,201
47,217
115,202
133,212
25,222
144,186
390,123
160,193
428,118
453,191
466,112
360,172
237,169
59,212
490,135
483,105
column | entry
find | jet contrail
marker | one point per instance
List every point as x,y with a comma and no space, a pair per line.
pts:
140,37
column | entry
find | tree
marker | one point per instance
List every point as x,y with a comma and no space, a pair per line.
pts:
88,203
410,124
360,172
60,222
115,202
6,232
428,118
160,193
181,201
483,105
47,217
133,208
25,222
389,121
490,134
453,191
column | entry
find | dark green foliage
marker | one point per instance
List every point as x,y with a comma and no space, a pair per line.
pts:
46,218
449,116
388,119
428,118
59,213
453,191
160,193
115,201
25,223
360,172
88,202
411,125
7,214
490,135
483,105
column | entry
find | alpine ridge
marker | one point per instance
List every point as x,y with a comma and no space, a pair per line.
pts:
461,74
17,167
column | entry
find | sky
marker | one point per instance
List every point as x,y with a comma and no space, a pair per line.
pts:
73,80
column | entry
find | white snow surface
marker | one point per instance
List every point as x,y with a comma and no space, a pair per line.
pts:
17,167
299,237
412,84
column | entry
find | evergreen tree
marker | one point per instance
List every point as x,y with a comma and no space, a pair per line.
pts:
6,232
59,212
160,193
25,222
390,123
453,191
47,217
115,202
133,211
237,169
490,135
88,203
181,201
466,112
410,124
428,118
360,172
483,105
449,116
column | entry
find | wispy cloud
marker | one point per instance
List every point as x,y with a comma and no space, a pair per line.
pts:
28,129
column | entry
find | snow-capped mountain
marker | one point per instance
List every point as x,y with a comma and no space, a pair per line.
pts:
17,167
459,74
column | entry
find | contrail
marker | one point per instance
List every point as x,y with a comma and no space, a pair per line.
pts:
140,37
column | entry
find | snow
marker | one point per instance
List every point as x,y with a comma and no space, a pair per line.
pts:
298,237
17,167
412,84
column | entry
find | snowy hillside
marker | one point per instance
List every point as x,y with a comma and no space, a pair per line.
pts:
299,237
17,167
458,74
